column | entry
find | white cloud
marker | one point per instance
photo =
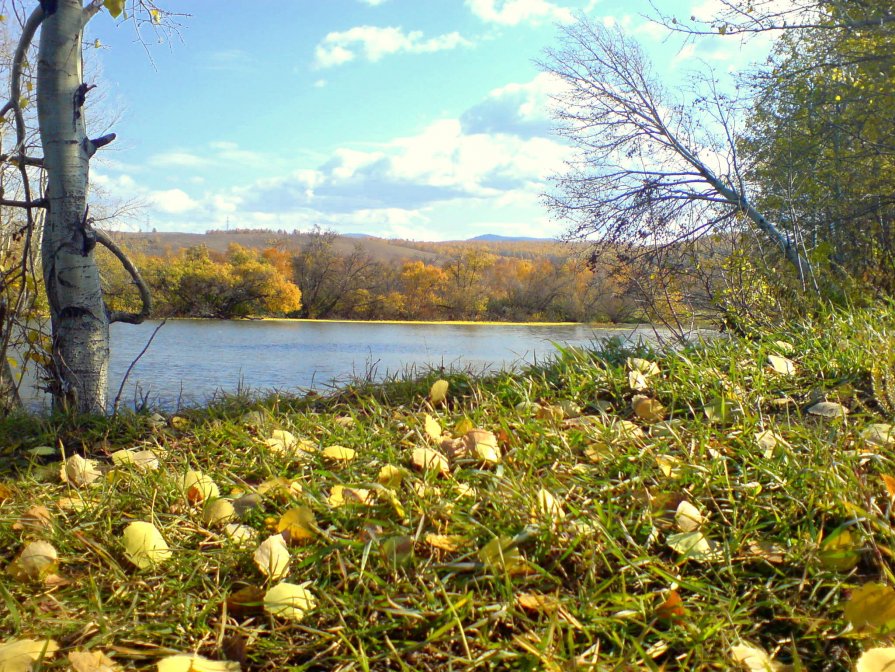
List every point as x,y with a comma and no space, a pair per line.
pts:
173,201
179,159
374,42
514,12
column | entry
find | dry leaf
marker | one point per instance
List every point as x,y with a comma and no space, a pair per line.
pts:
647,409
672,607
890,484
35,518
879,435
246,602
198,487
872,606
840,551
543,604
298,524
547,507
446,542
768,440
390,476
644,366
828,409
184,662
144,545
37,560
17,655
782,365
289,600
696,546
637,381
218,511
78,471
500,554
341,495
433,429
339,453
669,465
753,658
272,557
92,661
283,442
438,391
241,535
687,517
767,550
427,459
880,659
144,460
483,445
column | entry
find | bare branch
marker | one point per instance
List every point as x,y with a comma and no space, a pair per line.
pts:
145,295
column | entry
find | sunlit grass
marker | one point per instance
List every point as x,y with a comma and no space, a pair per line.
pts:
587,588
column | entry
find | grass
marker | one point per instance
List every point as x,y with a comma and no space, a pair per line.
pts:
583,578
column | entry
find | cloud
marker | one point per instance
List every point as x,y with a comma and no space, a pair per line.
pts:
374,42
173,201
514,12
178,159
517,109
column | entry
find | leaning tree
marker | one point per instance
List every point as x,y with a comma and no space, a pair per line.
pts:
55,204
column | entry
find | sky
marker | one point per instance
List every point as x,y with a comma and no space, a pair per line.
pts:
415,119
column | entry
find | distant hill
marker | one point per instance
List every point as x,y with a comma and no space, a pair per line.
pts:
494,238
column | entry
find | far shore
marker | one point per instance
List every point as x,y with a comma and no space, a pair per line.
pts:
596,325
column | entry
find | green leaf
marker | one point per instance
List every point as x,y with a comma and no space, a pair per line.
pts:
115,7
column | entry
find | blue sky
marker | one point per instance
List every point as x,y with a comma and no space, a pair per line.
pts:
421,119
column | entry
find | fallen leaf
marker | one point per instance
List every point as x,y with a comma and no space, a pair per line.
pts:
241,535
637,381
647,409
339,453
78,471
289,600
272,557
198,487
671,608
753,658
828,409
341,495
298,524
669,465
767,550
438,391
879,435
283,442
542,604
397,550
840,550
483,445
433,429
872,606
218,511
427,459
279,488
390,476
687,517
144,545
696,546
92,661
144,460
35,518
547,507
500,554
644,366
184,662
463,426
880,659
246,602
17,655
37,560
446,542
782,365
768,440
890,484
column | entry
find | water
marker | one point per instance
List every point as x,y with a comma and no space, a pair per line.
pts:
191,360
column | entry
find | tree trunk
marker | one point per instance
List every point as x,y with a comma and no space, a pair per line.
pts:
80,322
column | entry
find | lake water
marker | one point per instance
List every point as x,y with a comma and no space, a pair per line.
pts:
191,360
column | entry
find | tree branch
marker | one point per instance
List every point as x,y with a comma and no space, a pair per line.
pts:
145,295
40,203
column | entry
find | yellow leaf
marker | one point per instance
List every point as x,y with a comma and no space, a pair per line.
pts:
438,391
463,425
872,606
446,542
289,600
669,465
37,560
198,487
782,365
339,453
647,409
390,476
427,459
879,435
548,508
483,445
17,655
433,429
644,366
687,517
285,443
340,496
828,409
115,7
144,545
144,460
218,511
840,550
92,661
298,524
36,518
696,546
241,535
78,471
500,554
877,660
155,16
184,662
272,557
543,604
753,658
890,484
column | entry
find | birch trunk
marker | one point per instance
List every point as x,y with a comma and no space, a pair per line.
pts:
79,320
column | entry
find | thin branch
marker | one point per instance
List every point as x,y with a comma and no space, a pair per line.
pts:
39,203
145,294
133,364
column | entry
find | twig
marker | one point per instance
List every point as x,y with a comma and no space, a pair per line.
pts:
145,295
133,364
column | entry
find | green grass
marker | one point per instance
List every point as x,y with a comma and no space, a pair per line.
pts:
603,571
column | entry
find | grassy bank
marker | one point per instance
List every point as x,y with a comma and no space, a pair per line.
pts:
680,511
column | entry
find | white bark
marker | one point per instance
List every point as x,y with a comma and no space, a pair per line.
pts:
79,319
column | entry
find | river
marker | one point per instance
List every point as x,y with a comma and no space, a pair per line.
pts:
190,361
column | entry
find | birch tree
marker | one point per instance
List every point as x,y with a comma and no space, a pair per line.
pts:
79,317
649,167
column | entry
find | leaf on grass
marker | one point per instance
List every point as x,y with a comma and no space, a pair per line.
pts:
427,459
644,366
279,488
184,662
768,551
283,442
245,602
35,518
438,391
647,409
446,542
753,658
768,440
198,487
37,560
433,429
722,411
298,524
669,465
78,471
881,659
218,511
463,426
889,482
879,435
782,365
482,445
542,604
339,453
241,535
547,507
828,409
637,381
840,550
671,608
397,550
341,495
272,557
5,492
289,600
144,460
687,517
872,606
696,546
390,476
17,655
144,545
92,661
500,554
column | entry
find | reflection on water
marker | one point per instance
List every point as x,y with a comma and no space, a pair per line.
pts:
191,360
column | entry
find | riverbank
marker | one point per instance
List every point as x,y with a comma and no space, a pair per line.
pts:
677,510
